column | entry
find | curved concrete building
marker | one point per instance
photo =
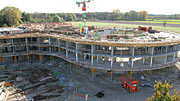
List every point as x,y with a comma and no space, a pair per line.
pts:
138,53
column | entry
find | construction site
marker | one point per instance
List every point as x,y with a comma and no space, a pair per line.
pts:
55,62
62,62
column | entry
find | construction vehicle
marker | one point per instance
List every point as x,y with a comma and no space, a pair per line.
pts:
128,84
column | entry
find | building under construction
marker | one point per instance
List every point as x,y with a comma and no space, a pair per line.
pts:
116,49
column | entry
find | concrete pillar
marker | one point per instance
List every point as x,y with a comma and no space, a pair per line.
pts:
58,42
174,57
38,44
132,63
66,50
143,60
97,58
92,52
112,54
152,53
76,52
84,56
50,50
13,46
166,55
26,45
66,54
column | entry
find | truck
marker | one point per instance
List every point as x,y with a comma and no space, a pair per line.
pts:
129,84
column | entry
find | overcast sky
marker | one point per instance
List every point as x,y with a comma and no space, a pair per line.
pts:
58,6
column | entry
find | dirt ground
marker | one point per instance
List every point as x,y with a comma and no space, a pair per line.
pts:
78,82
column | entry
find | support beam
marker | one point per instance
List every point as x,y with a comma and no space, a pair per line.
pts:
92,52
97,58
152,53
26,45
66,50
76,52
174,57
66,54
13,46
166,55
132,62
112,56
143,60
151,61
38,44
58,42
84,56
50,45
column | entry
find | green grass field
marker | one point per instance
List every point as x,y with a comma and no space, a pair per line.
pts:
100,24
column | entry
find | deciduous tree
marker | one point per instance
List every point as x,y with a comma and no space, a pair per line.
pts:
10,16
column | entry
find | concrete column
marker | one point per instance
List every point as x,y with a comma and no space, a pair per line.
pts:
97,58
26,44
112,54
92,52
152,53
38,44
174,57
84,56
166,49
143,60
50,45
13,46
166,55
58,42
66,54
132,63
76,52
151,61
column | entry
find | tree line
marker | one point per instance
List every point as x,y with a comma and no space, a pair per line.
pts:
12,16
